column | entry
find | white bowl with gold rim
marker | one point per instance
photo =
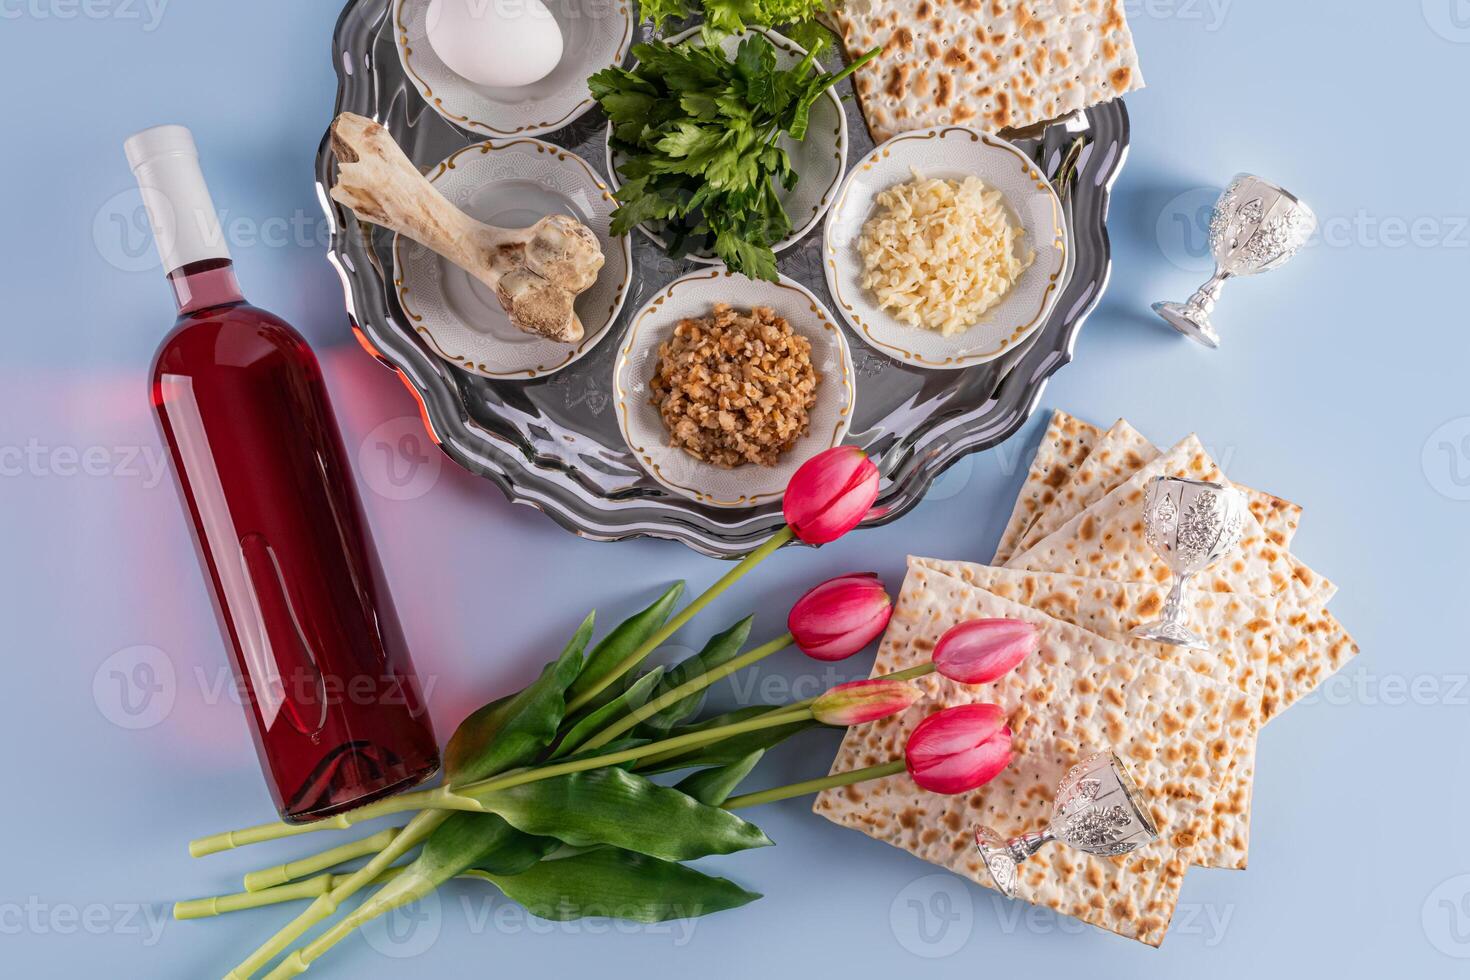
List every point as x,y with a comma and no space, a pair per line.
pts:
695,295
511,184
596,34
948,153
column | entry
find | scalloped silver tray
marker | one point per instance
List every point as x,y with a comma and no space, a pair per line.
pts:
554,443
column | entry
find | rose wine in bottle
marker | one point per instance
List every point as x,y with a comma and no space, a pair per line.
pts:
318,651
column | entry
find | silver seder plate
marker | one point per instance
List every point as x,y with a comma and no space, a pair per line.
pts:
554,443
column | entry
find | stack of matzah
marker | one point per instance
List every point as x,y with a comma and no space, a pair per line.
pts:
991,64
1073,560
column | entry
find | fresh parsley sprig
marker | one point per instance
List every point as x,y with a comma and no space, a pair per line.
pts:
733,16
698,134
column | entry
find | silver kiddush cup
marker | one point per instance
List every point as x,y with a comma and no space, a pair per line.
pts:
1191,524
1256,226
1098,810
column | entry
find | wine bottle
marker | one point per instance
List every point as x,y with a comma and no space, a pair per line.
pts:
318,651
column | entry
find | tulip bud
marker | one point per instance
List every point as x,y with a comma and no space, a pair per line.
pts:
830,494
959,749
840,617
982,650
860,702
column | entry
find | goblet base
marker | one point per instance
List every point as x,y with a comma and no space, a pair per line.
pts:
1172,633
996,852
1191,321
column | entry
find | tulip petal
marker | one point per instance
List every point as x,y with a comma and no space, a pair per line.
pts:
840,617
860,702
830,494
960,748
982,650
968,770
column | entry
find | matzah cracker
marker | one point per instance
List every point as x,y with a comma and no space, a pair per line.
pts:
990,64
1106,541
1122,451
1064,446
1240,629
1079,693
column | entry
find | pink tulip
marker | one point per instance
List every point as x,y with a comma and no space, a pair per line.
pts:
831,494
860,702
982,650
959,749
840,617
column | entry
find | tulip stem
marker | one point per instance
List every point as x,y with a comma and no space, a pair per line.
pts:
201,908
325,905
815,785
257,881
439,798
633,659
679,743
462,797
684,690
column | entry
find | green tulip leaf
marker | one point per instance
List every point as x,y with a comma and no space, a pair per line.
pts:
721,649
617,884
510,732
593,722
713,787
479,840
621,642
611,748
611,806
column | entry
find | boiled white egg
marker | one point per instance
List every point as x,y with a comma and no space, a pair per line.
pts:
499,43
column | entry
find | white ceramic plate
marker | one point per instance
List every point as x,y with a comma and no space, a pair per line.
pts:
511,183
952,153
596,34
695,295
819,159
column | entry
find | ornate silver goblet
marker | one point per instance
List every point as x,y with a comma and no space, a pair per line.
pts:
1098,810
1256,226
1192,524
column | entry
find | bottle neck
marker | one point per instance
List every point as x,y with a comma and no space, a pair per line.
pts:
204,284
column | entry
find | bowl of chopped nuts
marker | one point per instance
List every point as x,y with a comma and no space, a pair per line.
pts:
724,386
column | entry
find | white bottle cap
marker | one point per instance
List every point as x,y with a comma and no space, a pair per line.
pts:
185,224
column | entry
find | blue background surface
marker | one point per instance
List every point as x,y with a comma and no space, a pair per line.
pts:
1341,385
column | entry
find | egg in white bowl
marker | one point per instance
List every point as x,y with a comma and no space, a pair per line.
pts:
496,43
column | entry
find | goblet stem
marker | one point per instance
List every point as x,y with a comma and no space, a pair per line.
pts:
1003,857
1173,626
1192,318
1206,296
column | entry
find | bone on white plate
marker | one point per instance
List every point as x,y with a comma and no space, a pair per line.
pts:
536,272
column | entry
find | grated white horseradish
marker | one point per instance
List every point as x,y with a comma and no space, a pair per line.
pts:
938,253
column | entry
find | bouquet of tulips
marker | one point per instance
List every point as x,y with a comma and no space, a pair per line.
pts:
547,794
